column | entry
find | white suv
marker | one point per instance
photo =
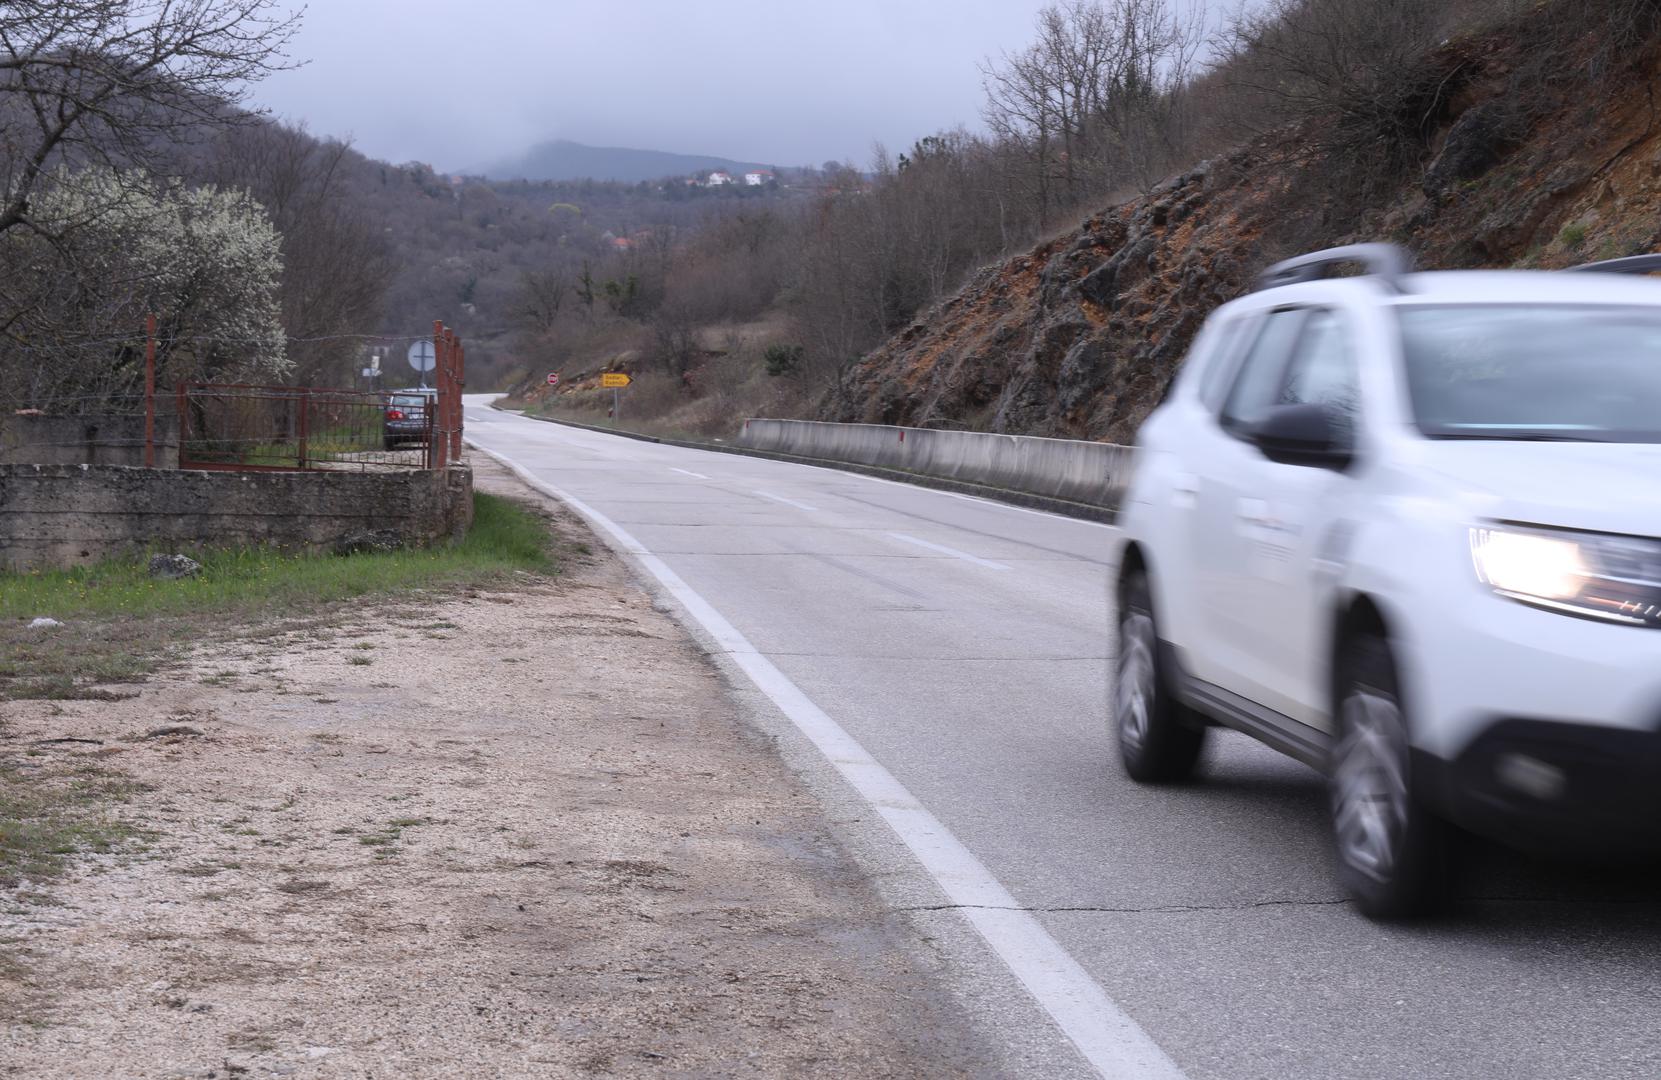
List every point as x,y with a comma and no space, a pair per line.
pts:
1406,528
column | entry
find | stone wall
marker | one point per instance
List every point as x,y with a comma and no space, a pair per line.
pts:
54,516
86,440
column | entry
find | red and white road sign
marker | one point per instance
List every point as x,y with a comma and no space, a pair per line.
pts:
553,378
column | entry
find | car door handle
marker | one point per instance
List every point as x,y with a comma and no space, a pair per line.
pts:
1253,512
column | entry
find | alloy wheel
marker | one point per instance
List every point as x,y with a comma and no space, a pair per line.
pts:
1370,783
1134,685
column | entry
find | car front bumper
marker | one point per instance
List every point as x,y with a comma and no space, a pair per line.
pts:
1553,784
1537,728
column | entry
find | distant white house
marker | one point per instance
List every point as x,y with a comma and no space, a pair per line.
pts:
758,177
718,178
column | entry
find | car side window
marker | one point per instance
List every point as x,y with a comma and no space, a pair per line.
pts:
1323,371
1233,337
1258,385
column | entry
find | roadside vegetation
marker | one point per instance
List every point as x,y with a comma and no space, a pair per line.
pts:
722,301
768,309
120,623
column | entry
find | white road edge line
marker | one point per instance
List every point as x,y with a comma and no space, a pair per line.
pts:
785,501
953,552
1113,1043
689,472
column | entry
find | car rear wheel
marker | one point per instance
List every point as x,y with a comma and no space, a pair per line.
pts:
1159,740
1392,849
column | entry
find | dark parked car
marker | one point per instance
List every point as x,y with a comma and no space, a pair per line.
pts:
408,414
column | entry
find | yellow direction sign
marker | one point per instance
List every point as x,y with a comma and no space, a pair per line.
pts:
610,380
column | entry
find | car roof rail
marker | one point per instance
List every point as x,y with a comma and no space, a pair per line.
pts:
1386,262
1632,264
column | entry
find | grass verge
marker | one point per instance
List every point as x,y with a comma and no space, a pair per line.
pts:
120,623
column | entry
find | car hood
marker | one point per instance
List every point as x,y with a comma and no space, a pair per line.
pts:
1603,487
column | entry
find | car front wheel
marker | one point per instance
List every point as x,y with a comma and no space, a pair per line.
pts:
1392,849
1159,740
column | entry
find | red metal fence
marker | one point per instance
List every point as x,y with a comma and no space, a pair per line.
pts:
228,426
250,427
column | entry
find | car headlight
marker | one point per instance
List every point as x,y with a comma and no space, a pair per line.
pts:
1614,578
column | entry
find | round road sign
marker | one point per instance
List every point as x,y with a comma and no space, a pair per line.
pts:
422,357
553,378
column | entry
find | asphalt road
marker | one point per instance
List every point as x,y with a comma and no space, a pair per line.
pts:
964,644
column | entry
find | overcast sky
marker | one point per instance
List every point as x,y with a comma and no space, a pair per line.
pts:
463,83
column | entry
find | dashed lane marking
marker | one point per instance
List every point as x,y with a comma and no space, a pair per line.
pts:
953,552
785,501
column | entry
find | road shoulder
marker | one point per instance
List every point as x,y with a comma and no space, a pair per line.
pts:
516,832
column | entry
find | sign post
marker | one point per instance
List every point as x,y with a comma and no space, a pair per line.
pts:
150,394
616,380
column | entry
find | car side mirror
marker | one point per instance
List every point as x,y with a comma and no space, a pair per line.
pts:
1302,435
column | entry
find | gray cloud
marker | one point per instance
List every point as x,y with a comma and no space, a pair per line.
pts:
460,84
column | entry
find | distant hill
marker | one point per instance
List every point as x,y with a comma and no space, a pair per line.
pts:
566,160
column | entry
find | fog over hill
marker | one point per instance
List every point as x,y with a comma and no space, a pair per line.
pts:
563,159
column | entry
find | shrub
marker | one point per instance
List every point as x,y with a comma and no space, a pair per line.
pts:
782,359
1573,235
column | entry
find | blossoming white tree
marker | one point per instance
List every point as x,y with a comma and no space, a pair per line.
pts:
112,248
114,82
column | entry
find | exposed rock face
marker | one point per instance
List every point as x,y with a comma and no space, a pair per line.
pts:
1079,337
1476,143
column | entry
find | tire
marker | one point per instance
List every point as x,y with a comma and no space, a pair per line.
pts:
1393,850
391,443
1159,740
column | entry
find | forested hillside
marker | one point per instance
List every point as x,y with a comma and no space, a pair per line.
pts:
1041,275
1477,132
1529,139
563,159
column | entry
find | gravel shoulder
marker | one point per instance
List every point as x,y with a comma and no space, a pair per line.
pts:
508,833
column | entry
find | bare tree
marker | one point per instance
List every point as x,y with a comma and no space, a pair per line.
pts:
1093,99
337,265
1357,65
112,82
541,297
675,340
1022,110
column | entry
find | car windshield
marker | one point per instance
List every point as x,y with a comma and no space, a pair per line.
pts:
1559,373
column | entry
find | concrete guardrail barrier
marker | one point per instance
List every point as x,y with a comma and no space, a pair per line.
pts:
1082,472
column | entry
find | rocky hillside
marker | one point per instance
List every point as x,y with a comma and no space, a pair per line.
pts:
1078,337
